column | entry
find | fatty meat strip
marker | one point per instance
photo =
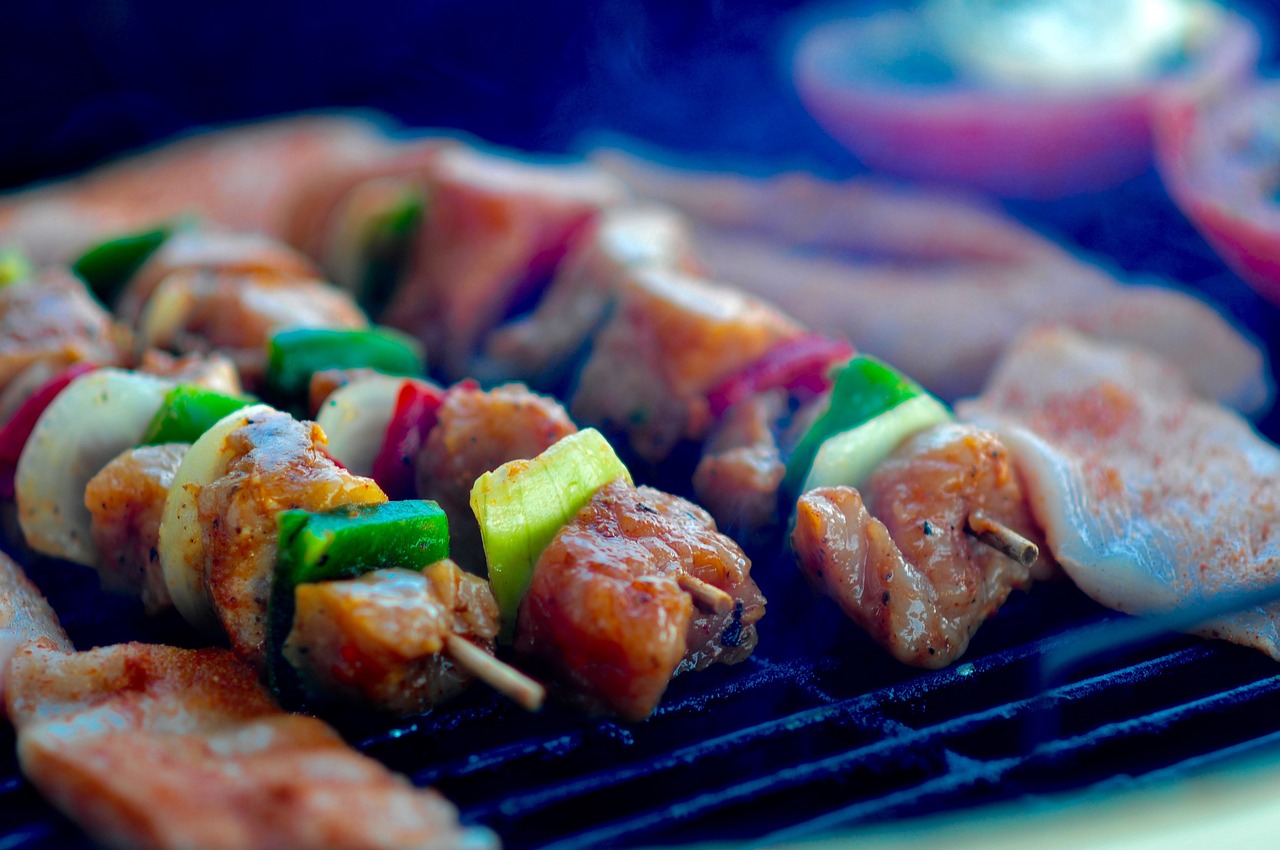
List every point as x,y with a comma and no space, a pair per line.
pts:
25,618
1152,498
884,268
148,746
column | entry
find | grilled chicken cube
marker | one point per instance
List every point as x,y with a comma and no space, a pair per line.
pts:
899,559
741,468
154,747
608,612
126,501
380,639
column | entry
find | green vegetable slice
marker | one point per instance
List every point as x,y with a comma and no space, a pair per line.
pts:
523,503
107,266
865,388
187,412
14,266
293,356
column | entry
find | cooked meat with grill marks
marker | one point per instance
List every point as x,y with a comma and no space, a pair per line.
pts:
606,612
126,502
540,347
278,463
25,618
154,747
493,232
212,370
741,468
215,251
237,314
52,318
671,339
477,431
902,565
1153,498
380,639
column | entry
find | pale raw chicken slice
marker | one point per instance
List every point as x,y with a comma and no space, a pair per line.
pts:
149,746
1151,497
886,268
245,178
25,618
492,233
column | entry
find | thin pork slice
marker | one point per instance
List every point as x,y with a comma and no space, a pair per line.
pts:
25,618
1151,497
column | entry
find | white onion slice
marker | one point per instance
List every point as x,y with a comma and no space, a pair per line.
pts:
355,419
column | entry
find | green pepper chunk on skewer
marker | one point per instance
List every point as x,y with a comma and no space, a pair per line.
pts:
293,356
187,412
108,266
14,266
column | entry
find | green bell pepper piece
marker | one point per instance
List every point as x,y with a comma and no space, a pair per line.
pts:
108,266
187,412
293,356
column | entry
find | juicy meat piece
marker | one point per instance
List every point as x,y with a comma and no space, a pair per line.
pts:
1151,497
126,501
278,463
25,618
212,251
155,747
380,639
477,431
494,230
53,318
237,314
901,564
607,614
671,339
540,347
213,371
887,267
244,178
741,468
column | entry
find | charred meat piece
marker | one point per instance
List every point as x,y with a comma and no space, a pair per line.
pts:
671,339
904,564
741,468
638,587
155,747
381,639
126,502
277,463
53,318
477,431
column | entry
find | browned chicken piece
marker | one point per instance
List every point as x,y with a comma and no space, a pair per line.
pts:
126,502
213,370
619,601
741,468
278,463
477,431
52,318
326,381
25,618
540,347
494,231
237,314
903,565
230,254
154,747
380,639
671,339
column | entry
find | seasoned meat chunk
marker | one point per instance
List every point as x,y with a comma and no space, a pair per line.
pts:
155,747
902,565
610,612
126,502
25,618
278,463
476,432
52,317
380,639
213,370
741,468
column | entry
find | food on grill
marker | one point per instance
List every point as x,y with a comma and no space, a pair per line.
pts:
1152,498
1033,99
152,746
887,268
25,618
1218,162
637,587
295,355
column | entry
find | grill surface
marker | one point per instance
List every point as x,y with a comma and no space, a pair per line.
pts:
818,729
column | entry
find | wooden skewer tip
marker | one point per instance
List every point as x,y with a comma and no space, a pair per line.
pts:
499,675
1003,539
706,595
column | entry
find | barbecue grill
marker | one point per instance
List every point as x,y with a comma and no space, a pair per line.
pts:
818,731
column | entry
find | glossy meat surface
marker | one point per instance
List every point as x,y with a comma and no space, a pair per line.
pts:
901,564
25,618
741,468
606,612
149,746
380,639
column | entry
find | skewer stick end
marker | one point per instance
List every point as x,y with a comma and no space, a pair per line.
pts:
499,675
705,594
1003,539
